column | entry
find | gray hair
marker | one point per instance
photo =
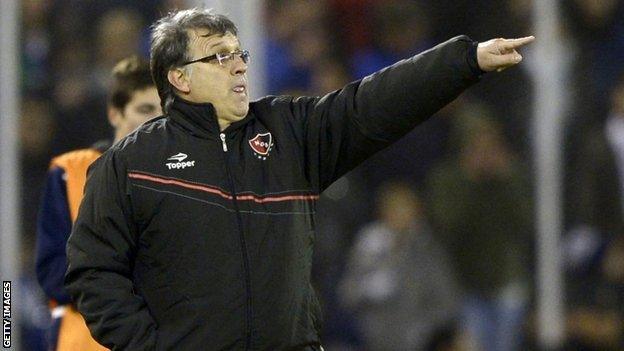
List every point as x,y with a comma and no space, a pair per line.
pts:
170,41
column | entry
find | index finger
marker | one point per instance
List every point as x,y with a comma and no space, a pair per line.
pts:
509,44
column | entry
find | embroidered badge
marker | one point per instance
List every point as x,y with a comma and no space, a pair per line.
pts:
261,145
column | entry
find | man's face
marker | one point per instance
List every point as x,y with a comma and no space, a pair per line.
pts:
223,85
144,104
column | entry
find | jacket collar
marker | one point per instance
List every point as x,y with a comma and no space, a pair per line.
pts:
200,118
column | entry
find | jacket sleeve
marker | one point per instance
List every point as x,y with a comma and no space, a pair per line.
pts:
101,252
343,128
53,227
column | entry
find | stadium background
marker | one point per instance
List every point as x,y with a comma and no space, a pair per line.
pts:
67,48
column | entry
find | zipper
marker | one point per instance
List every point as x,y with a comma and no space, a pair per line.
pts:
242,243
222,136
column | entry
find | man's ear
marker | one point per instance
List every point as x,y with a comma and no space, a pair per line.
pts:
179,79
115,117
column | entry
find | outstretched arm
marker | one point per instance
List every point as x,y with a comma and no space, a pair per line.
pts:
345,127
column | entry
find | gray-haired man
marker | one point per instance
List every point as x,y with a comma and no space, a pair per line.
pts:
197,230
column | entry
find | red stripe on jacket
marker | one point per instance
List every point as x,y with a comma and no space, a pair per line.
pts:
219,192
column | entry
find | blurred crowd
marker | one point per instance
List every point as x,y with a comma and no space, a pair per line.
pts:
430,244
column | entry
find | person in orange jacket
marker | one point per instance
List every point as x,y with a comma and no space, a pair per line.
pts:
133,99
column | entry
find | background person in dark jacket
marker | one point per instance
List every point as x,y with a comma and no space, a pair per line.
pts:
595,242
481,210
197,230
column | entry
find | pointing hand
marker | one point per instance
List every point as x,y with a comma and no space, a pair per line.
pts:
498,54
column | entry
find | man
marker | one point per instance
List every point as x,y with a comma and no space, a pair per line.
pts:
595,242
481,209
398,280
133,100
196,231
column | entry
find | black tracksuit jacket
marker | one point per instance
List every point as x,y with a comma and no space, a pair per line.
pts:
192,238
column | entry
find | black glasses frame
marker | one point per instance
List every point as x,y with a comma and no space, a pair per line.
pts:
223,57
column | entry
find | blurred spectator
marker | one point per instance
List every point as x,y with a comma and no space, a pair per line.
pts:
36,128
118,35
594,245
299,39
35,47
598,27
597,187
481,209
398,280
596,313
400,30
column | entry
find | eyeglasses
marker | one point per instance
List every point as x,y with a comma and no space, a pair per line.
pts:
223,58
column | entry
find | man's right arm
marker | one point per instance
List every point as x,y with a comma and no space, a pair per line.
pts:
100,253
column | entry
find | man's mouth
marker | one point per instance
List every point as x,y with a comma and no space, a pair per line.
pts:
240,89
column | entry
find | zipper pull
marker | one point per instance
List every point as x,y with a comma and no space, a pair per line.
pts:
222,135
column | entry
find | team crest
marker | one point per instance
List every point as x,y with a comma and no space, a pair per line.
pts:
261,145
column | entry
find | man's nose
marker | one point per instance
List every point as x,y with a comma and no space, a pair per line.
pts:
239,66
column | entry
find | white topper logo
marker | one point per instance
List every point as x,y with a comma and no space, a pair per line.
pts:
179,165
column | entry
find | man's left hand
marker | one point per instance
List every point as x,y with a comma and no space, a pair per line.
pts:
498,54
